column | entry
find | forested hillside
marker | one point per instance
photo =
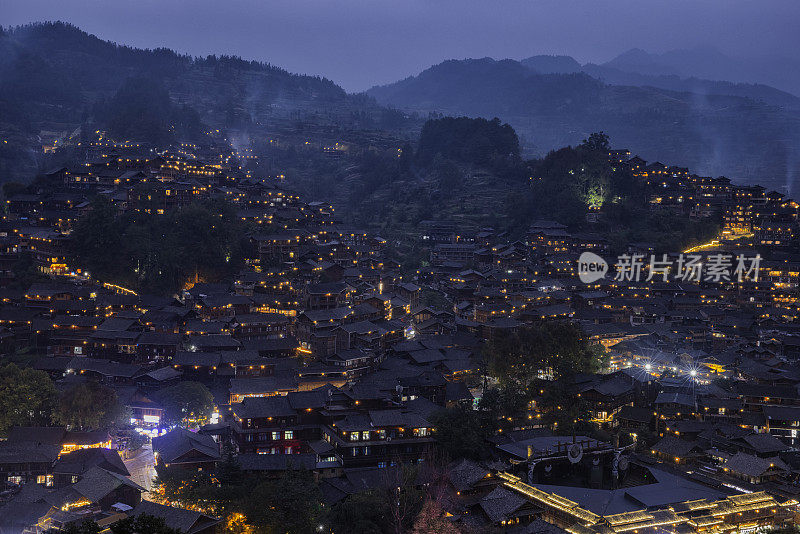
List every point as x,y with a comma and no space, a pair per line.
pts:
55,77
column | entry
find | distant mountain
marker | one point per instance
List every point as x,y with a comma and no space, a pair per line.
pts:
637,60
552,64
657,77
745,139
55,77
491,88
673,82
709,63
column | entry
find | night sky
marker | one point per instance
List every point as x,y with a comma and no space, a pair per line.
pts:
360,43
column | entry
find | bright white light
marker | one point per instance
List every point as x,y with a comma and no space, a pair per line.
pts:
693,372
647,367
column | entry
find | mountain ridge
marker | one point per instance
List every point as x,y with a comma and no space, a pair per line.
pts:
707,62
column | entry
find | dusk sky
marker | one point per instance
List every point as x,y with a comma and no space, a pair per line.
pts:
360,43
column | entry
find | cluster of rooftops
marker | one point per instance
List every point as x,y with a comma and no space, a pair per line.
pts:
325,353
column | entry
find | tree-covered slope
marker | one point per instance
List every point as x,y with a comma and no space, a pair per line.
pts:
55,77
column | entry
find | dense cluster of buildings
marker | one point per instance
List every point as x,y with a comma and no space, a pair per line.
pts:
769,217
325,354
307,351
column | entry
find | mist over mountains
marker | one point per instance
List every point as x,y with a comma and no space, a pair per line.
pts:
709,63
617,72
748,132
694,108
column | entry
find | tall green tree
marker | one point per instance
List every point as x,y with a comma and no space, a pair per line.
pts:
204,490
459,433
361,513
477,141
88,406
27,397
188,402
596,142
289,504
26,271
96,242
159,253
501,406
391,507
552,347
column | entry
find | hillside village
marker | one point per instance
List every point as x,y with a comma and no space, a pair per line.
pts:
323,353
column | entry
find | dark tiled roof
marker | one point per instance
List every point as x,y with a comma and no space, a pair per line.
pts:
765,443
425,379
636,414
187,521
203,359
747,464
58,363
37,434
31,452
399,418
457,391
276,462
96,483
158,338
105,367
165,373
465,474
501,504
172,445
317,398
676,447
782,413
769,391
264,384
255,407
426,355
81,460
